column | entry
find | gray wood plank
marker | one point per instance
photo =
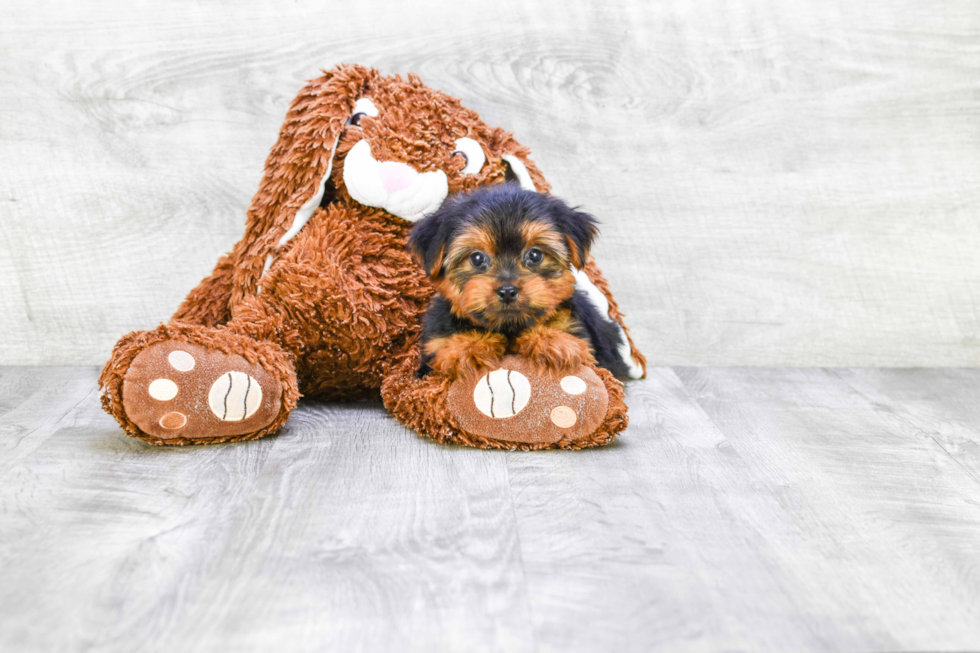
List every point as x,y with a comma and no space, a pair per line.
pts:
37,403
877,531
17,384
781,182
396,544
103,535
941,405
744,509
344,531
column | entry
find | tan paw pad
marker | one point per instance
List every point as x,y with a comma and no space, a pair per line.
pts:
573,385
563,417
163,389
173,421
181,361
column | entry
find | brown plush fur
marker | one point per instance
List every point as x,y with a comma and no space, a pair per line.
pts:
339,312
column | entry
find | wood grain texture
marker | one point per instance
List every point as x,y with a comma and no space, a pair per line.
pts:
744,509
780,183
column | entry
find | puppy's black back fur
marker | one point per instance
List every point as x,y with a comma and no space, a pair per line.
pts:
602,335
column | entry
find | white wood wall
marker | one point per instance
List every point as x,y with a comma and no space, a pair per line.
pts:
781,183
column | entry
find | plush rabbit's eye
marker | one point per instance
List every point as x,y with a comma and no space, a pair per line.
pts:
363,107
473,153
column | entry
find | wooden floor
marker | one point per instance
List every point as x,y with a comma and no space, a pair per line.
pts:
744,509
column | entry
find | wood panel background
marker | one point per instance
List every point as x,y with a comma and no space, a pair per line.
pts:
781,183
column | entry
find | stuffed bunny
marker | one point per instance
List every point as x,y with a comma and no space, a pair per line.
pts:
320,297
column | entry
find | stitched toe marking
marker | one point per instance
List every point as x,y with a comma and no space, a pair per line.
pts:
235,396
502,393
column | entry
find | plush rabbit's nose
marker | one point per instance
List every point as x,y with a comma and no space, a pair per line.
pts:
396,176
394,186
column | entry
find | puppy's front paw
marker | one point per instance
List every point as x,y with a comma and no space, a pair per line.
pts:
465,355
553,350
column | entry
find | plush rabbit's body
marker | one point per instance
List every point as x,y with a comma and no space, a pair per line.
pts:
320,297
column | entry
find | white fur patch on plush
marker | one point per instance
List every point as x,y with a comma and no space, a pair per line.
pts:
395,187
473,153
366,106
520,171
304,213
599,300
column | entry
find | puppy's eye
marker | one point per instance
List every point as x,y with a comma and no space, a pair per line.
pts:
363,107
533,257
479,260
473,153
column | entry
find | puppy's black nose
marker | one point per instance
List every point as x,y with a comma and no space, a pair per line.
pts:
507,294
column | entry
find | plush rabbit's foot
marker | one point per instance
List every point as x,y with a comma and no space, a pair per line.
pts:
191,384
177,389
518,403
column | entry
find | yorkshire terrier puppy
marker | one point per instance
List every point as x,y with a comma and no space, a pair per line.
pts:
501,260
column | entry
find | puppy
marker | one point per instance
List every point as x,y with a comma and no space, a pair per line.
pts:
501,260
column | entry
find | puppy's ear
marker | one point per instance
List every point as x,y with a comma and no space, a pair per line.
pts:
580,231
427,243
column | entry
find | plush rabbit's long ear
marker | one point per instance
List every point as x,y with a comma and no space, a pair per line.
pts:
298,168
515,158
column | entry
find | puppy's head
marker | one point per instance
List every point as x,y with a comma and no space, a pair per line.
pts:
501,255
